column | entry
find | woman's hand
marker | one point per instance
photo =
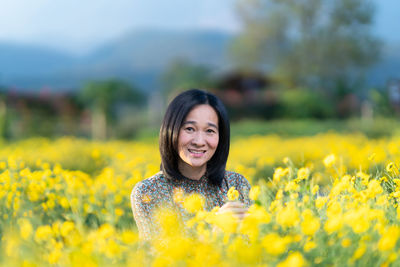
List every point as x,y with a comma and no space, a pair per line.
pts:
238,209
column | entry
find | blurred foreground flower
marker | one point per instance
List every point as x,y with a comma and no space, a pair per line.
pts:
194,203
233,194
329,160
64,206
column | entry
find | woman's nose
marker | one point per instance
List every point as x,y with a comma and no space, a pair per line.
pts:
198,139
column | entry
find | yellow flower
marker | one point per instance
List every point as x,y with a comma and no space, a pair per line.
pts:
286,160
66,228
346,242
364,177
279,194
119,212
169,221
310,223
54,256
233,194
250,225
43,233
11,245
226,221
95,154
244,252
334,209
315,189
374,188
293,260
288,216
303,173
279,173
396,181
254,192
292,186
25,228
309,245
392,257
64,202
333,224
391,167
306,199
329,160
389,238
129,237
361,216
27,263
398,212
372,156
359,252
112,249
194,203
274,244
105,231
320,202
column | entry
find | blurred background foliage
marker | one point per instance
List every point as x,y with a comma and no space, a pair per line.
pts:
321,45
295,67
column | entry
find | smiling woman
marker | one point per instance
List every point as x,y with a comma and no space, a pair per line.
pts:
194,147
197,142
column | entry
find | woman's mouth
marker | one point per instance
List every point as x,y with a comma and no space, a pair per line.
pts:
196,152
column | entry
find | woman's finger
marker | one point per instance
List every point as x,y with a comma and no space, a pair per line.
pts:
234,209
233,204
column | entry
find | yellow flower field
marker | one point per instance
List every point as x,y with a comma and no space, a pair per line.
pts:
323,200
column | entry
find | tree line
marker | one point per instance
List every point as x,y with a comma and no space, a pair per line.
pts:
292,59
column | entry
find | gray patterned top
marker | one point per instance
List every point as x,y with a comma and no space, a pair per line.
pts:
156,191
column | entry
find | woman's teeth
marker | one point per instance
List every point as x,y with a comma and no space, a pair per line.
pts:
196,151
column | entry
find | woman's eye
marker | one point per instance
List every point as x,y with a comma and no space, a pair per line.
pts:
189,129
210,131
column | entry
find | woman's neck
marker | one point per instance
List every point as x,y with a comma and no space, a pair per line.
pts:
193,173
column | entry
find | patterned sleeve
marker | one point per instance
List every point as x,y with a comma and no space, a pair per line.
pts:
142,211
243,186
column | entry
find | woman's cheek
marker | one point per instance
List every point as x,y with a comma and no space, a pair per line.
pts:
216,141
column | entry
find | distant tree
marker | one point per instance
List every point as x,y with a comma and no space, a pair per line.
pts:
102,96
307,43
3,116
181,75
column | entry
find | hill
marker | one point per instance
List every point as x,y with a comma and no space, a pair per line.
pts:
139,57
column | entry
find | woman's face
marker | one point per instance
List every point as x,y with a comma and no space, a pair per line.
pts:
198,138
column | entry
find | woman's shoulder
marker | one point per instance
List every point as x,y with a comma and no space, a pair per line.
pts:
151,185
234,175
235,179
241,184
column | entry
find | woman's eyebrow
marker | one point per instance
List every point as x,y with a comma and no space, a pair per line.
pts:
213,125
194,122
189,122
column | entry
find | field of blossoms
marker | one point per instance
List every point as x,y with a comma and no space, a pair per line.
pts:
325,200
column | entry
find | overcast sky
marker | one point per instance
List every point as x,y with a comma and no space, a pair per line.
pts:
78,25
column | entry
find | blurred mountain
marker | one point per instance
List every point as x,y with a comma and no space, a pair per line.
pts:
149,50
17,59
137,57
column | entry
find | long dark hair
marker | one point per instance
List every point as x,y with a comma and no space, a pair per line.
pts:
174,117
